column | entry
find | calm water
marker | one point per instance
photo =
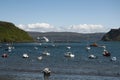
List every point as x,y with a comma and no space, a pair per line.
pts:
78,68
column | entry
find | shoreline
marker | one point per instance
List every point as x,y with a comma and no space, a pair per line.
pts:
37,76
15,72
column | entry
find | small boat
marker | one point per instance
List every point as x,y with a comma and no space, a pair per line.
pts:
104,47
25,55
91,56
40,58
88,48
113,59
43,39
106,53
35,48
69,54
46,53
94,45
4,55
68,47
46,72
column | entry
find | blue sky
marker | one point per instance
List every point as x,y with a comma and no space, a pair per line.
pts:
62,15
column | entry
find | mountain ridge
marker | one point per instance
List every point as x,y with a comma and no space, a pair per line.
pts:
67,36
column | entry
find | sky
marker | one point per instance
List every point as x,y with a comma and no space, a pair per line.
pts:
82,16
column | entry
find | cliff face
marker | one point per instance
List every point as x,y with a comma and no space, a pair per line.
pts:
112,35
10,33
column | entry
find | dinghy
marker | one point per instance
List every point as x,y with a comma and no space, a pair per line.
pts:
25,55
69,54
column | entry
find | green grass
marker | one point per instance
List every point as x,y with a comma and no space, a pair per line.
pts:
10,33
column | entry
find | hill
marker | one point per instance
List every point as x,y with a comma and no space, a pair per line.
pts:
112,35
10,33
67,36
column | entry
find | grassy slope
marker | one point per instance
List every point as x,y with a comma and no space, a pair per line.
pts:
10,33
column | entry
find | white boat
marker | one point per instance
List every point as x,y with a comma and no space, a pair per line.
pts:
88,48
46,39
113,59
40,58
46,53
69,47
103,46
91,56
46,72
25,55
69,54
35,48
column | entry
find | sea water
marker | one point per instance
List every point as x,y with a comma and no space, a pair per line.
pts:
15,67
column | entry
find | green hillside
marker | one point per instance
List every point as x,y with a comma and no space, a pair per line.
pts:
10,33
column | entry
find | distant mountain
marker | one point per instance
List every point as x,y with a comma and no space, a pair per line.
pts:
10,33
112,35
67,36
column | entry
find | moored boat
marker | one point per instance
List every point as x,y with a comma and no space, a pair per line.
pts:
25,55
94,45
69,54
91,56
5,55
106,53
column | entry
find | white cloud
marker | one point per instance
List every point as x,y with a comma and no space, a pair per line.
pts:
81,28
40,25
87,28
